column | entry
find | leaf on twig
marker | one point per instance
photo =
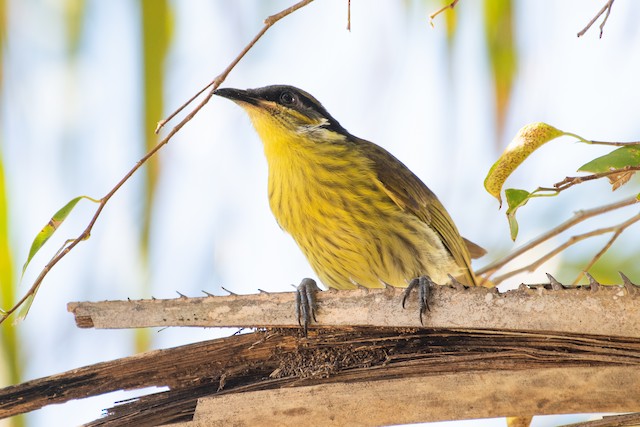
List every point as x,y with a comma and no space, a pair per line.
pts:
515,199
25,307
527,140
617,159
47,231
628,156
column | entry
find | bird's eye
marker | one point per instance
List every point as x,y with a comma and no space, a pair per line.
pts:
287,98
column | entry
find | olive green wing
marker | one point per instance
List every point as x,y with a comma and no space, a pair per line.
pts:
412,195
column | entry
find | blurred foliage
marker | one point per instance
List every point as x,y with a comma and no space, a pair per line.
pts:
9,344
498,22
502,54
10,360
156,25
451,24
606,269
74,13
3,36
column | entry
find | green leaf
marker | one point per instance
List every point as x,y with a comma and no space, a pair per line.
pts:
53,224
515,199
527,140
25,307
617,159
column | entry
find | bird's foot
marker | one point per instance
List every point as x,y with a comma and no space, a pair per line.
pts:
423,283
306,302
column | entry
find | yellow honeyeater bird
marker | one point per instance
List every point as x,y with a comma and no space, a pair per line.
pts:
360,216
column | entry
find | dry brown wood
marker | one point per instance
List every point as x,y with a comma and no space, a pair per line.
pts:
605,310
173,367
354,357
626,420
437,398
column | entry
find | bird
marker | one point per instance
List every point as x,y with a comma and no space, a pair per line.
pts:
359,215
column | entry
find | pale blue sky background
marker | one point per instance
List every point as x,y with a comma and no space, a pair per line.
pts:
75,129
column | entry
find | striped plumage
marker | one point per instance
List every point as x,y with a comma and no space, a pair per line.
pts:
360,216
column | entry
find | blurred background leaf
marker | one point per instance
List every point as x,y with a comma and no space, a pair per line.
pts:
10,355
74,19
156,25
502,53
606,269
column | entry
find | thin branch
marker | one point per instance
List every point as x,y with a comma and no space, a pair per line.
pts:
614,144
215,83
609,143
606,8
570,181
571,241
442,9
606,247
268,23
578,217
349,15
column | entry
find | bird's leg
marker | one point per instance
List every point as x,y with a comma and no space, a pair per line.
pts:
423,283
306,302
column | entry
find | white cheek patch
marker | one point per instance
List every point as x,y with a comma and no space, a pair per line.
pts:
314,129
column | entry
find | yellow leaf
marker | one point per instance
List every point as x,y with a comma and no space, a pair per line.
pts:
527,140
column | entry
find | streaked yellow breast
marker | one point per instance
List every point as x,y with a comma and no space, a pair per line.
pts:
324,192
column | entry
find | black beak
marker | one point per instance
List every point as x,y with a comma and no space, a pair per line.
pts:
237,95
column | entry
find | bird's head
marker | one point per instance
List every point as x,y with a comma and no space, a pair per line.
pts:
281,112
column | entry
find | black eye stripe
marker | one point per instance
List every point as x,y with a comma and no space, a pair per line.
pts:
298,100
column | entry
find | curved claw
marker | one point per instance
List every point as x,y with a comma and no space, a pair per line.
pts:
306,304
423,283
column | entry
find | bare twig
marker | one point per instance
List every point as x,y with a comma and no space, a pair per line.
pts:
606,8
616,229
614,144
215,83
578,217
570,181
349,15
268,23
442,9
606,247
